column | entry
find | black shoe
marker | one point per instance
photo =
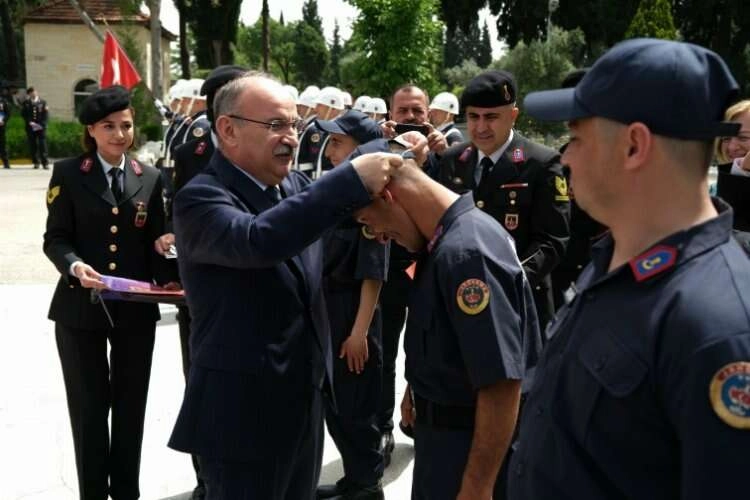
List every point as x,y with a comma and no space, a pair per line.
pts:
332,490
45,167
387,444
373,492
36,166
408,431
199,493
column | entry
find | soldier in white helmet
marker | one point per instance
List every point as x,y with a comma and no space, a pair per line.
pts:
443,109
361,103
292,91
377,109
306,104
347,99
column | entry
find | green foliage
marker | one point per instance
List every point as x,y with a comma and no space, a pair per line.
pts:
484,54
462,45
654,20
457,76
541,65
214,24
63,139
310,54
333,72
395,41
249,48
310,16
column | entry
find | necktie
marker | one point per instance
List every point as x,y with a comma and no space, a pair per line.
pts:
116,189
486,165
273,194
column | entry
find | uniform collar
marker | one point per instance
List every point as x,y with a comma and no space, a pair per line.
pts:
445,127
669,253
495,157
462,205
106,167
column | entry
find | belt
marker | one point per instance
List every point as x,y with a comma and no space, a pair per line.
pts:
437,415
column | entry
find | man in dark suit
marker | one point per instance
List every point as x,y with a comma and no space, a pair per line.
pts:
518,182
35,113
4,117
251,265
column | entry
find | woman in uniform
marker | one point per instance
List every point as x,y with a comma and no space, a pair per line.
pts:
733,183
105,215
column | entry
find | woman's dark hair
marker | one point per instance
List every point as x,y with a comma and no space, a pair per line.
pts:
89,144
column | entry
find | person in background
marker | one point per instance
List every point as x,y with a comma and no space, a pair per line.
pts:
35,114
732,153
4,117
105,215
443,110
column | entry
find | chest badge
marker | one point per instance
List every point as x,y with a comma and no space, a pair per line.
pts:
653,262
730,394
511,222
136,168
315,138
141,214
197,132
201,148
518,155
472,296
86,165
561,185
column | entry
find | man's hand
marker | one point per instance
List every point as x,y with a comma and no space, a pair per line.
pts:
389,129
354,348
418,145
172,285
163,242
408,412
436,140
375,170
87,276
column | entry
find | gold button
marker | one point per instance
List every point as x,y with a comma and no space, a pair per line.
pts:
457,180
115,210
512,202
512,195
113,229
113,248
112,266
480,204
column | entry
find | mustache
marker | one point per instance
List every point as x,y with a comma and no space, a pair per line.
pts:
282,149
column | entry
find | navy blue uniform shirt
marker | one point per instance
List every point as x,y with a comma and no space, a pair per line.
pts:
643,390
352,256
471,320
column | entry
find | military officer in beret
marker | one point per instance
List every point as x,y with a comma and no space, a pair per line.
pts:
105,216
189,160
643,390
35,114
518,182
4,117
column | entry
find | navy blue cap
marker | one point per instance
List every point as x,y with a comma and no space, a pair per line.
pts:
355,124
489,90
677,89
102,103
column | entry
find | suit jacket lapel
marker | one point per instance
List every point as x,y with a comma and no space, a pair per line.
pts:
133,182
505,170
95,181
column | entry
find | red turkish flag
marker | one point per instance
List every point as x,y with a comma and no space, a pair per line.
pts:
116,67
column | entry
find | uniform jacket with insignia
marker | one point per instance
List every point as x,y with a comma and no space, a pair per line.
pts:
85,223
735,190
35,112
527,193
189,160
310,144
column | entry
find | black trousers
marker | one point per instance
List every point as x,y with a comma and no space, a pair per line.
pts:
3,150
37,146
183,322
289,474
393,300
353,423
107,464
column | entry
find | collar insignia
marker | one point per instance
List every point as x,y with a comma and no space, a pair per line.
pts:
653,262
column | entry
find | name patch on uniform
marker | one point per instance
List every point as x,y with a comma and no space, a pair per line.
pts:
518,155
472,296
511,221
86,165
561,185
52,193
730,394
655,261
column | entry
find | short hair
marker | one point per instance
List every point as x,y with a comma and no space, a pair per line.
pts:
409,87
30,90
732,112
227,97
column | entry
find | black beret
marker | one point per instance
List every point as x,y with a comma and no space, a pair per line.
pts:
103,102
490,89
220,76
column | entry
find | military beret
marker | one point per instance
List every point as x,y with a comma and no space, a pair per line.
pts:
102,103
490,89
220,76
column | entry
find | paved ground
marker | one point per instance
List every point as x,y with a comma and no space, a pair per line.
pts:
36,451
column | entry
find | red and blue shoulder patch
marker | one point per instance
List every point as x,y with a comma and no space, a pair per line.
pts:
86,165
201,148
136,168
654,261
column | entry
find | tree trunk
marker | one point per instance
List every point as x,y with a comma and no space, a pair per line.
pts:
154,7
11,48
184,54
265,35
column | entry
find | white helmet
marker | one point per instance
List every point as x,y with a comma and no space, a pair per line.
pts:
445,101
361,102
175,91
192,89
292,91
331,97
347,98
307,97
376,105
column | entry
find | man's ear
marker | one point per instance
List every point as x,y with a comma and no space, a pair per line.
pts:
225,130
639,144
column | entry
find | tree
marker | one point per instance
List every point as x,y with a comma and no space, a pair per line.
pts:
460,13
310,54
603,23
394,41
461,45
281,40
281,16
265,35
654,20
541,65
333,73
154,7
181,6
214,26
484,50
457,76
311,17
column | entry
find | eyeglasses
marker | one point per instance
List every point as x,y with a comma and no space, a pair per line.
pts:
275,126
